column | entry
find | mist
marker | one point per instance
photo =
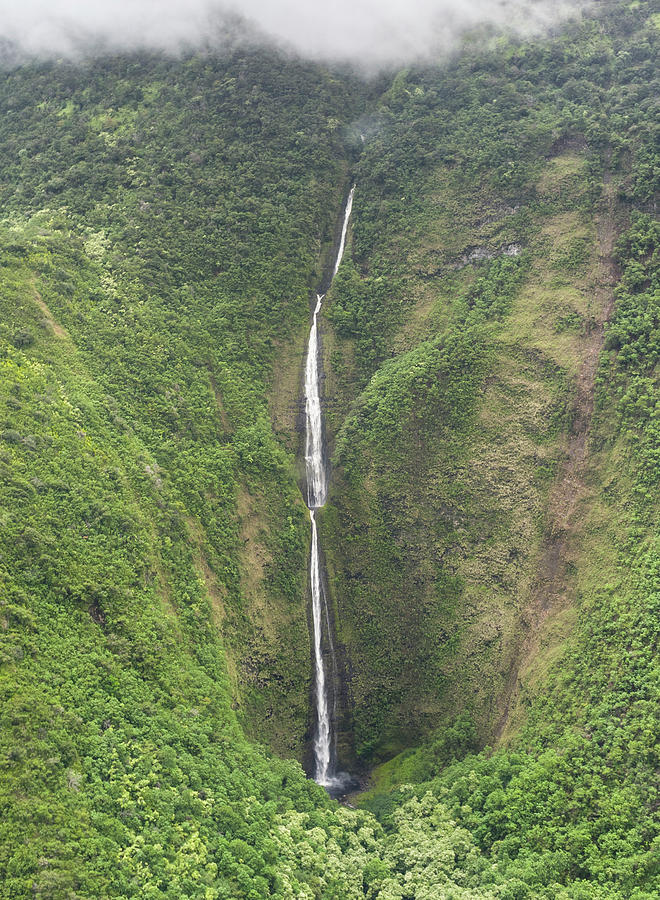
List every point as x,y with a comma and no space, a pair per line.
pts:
370,33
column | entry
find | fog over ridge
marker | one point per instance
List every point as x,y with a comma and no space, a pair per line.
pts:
372,32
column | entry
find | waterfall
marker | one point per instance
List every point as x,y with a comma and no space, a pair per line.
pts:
323,737
317,488
317,485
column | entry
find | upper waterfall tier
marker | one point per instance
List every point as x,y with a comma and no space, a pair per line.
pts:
315,463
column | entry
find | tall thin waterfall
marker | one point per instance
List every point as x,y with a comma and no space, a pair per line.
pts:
317,490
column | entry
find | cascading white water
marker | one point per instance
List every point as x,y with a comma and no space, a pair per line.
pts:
344,230
323,737
314,462
317,488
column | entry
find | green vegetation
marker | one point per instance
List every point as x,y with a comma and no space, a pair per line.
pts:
630,370
574,800
172,222
491,538
488,200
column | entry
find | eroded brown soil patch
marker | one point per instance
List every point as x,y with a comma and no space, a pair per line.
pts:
552,589
55,327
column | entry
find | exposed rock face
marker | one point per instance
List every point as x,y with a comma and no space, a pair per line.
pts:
479,254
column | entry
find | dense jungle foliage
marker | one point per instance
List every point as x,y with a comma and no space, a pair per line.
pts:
491,348
171,217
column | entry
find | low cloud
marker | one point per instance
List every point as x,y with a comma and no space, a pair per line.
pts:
368,32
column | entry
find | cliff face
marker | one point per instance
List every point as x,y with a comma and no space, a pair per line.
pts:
459,467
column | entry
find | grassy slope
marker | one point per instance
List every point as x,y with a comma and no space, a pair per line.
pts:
564,513
572,795
452,490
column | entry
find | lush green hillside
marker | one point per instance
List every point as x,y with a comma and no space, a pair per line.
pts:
491,362
172,218
164,224
574,796
459,483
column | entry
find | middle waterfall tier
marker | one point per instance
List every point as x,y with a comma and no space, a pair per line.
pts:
317,486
